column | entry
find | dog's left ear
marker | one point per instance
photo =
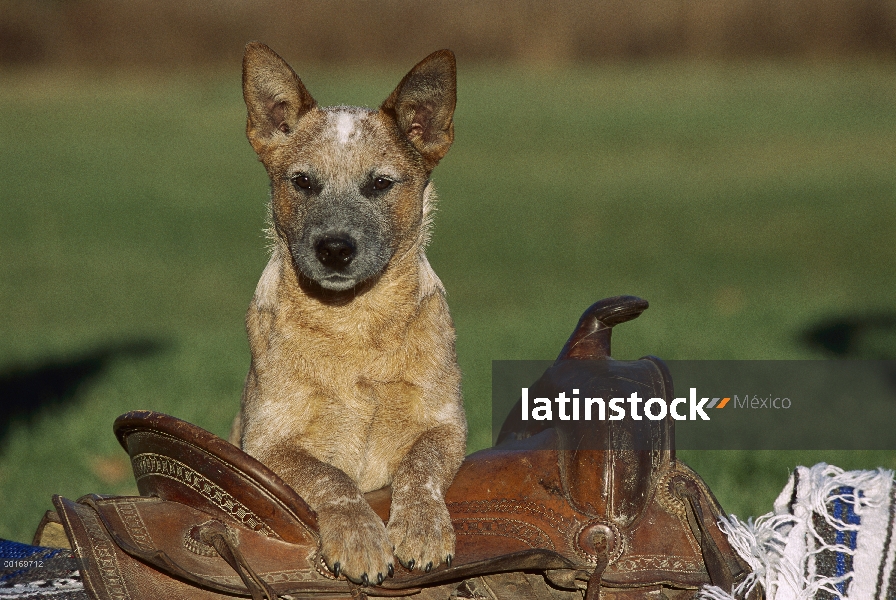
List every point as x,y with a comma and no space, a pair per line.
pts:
423,105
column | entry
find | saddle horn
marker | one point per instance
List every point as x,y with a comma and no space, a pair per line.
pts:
591,338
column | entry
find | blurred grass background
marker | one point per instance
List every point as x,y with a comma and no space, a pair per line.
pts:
746,189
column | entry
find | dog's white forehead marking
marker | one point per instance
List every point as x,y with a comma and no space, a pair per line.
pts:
344,122
345,126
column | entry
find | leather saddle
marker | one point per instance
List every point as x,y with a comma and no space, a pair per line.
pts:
561,509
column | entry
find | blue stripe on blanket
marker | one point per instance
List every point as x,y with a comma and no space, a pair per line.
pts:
836,563
844,512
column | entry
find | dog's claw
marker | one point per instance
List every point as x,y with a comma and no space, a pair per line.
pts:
379,578
448,560
428,567
364,579
337,568
391,570
411,564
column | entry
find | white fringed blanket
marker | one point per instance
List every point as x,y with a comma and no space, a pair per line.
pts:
830,537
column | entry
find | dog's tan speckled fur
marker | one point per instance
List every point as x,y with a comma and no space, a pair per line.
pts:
354,382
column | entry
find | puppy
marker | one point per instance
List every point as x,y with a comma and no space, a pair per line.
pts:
354,383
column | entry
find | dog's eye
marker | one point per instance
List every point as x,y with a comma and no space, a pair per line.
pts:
381,183
301,181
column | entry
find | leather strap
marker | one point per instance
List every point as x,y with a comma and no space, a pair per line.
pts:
723,565
222,538
593,590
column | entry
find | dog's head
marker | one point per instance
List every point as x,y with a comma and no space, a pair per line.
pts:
348,184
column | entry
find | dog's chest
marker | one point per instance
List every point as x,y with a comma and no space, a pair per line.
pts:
367,431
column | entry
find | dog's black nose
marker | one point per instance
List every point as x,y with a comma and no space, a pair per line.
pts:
335,252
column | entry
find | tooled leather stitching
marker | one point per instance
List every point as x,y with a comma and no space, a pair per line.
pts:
271,577
667,499
682,470
134,524
148,464
233,468
192,542
635,564
524,532
504,506
559,522
103,551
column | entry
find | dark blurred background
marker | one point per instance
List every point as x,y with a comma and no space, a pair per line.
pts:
172,34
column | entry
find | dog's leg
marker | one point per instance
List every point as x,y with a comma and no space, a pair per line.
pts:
236,430
353,538
419,523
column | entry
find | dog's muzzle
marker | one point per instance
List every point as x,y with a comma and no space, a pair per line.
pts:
340,260
340,242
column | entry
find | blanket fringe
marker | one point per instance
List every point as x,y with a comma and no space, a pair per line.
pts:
828,537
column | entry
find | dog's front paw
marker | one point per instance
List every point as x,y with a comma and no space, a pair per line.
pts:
354,542
422,533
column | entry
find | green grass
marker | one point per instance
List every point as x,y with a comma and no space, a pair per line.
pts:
744,202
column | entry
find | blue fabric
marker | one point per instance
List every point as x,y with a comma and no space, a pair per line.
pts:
48,573
15,551
844,512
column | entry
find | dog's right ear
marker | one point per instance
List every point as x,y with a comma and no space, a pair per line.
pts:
274,95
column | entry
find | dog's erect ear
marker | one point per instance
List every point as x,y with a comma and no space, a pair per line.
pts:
423,105
274,95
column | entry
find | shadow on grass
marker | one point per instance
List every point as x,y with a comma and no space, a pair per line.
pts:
863,337
26,391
